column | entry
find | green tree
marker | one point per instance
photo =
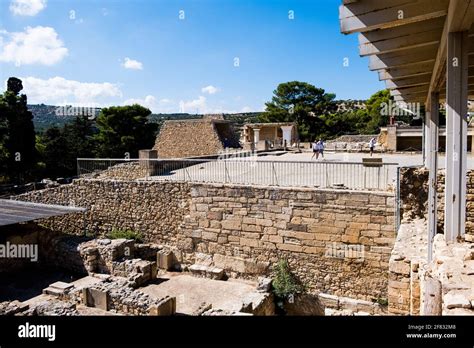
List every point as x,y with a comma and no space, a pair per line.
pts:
302,103
60,148
124,129
55,153
17,134
373,117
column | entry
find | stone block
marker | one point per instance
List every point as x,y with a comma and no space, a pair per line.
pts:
165,307
290,247
96,298
211,236
165,260
231,225
214,215
249,242
264,222
456,299
251,228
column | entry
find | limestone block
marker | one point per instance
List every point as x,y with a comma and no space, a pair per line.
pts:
165,307
96,298
165,260
430,295
456,299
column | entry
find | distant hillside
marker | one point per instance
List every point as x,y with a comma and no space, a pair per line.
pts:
46,116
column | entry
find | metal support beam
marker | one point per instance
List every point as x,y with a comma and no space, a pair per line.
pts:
432,164
456,135
426,139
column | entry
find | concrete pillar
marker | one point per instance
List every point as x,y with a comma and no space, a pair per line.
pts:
256,135
456,135
432,164
287,134
426,139
391,138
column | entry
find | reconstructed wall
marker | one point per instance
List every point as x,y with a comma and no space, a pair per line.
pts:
308,227
337,242
193,138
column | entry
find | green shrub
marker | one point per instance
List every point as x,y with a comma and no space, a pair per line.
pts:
285,284
125,234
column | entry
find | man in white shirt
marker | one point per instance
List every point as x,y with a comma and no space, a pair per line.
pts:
372,143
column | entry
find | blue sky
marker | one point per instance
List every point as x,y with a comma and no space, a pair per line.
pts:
116,52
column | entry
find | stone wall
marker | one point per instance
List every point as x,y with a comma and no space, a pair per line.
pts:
443,286
193,138
156,209
414,197
247,229
337,241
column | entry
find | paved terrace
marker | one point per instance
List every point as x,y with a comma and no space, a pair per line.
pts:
300,170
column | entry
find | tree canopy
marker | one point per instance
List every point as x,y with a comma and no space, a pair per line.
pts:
17,135
299,102
124,130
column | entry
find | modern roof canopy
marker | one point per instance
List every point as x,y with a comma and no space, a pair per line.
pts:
13,212
424,51
407,42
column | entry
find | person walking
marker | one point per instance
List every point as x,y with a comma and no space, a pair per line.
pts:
315,150
320,147
372,143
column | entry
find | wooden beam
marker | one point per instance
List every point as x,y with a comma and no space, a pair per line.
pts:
416,69
413,70
402,31
408,82
406,42
424,54
370,15
459,18
417,55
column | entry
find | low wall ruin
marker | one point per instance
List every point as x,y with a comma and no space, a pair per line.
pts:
336,241
414,197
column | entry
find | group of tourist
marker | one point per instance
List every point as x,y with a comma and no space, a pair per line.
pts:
318,148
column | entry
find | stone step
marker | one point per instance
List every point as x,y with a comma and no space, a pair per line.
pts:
207,271
53,292
61,286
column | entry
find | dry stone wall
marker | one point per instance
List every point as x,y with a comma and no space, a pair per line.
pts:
414,197
336,241
189,138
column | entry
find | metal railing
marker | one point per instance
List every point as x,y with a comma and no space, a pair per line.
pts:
246,171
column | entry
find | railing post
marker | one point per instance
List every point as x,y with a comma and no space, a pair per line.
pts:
274,175
226,173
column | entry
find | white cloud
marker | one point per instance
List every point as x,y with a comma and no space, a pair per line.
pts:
246,109
157,106
210,89
59,91
194,106
132,64
27,7
38,45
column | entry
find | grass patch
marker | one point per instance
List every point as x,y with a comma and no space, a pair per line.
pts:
125,234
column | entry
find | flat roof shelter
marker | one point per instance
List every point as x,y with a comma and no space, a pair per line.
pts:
13,212
263,136
424,51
